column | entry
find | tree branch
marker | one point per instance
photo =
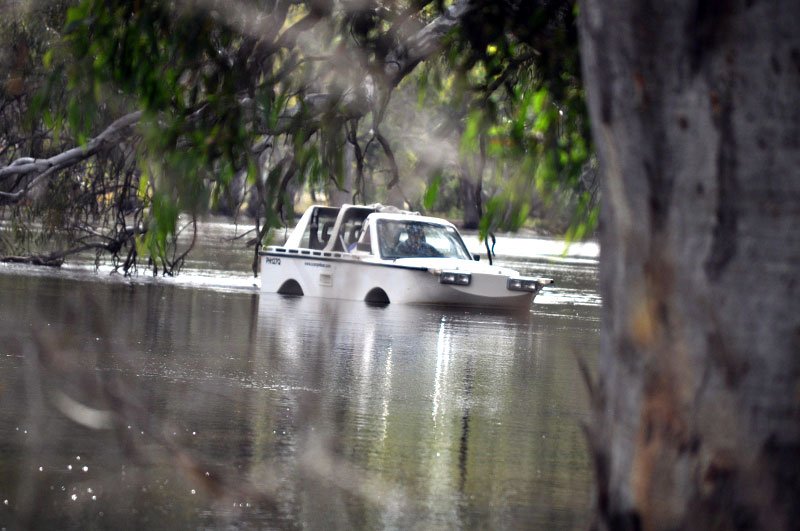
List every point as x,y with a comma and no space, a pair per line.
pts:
404,58
387,149
399,62
44,167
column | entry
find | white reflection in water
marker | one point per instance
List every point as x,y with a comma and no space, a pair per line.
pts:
442,367
387,389
363,380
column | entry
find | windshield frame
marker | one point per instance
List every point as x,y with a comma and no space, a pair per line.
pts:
385,227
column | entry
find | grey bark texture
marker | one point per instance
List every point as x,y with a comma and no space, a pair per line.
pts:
695,108
470,199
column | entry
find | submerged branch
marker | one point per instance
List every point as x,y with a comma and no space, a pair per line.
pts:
176,264
113,245
55,259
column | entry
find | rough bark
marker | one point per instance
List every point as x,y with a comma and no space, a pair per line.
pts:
470,200
696,114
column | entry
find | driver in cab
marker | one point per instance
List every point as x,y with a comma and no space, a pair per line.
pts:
415,244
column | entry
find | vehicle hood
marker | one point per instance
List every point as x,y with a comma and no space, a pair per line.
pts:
454,264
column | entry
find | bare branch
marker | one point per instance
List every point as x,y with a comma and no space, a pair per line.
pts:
387,149
403,59
352,138
112,134
289,37
400,62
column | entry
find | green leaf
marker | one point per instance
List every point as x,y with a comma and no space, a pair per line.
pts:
47,58
491,215
144,183
252,172
432,192
422,87
543,121
522,213
539,99
469,140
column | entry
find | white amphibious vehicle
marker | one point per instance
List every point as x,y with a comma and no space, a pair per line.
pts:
383,255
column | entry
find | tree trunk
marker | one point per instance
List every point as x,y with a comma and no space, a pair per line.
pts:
337,197
696,114
469,193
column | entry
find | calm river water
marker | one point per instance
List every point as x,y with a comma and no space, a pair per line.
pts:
195,402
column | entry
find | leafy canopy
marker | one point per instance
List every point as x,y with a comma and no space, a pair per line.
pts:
286,94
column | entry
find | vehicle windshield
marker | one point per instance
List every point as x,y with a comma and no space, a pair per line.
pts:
407,239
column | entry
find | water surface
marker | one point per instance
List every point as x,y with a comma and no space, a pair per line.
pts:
197,402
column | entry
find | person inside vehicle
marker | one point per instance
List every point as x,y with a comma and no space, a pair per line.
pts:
415,244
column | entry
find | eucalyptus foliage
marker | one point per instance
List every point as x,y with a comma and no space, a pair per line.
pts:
274,96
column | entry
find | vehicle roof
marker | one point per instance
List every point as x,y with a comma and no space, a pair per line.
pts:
411,217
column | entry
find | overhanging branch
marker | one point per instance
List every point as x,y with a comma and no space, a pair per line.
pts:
427,41
111,134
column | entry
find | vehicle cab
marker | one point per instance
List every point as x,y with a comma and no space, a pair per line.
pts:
391,236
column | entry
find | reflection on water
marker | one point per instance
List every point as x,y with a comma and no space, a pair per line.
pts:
204,404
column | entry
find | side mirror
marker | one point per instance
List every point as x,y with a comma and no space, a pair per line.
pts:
476,257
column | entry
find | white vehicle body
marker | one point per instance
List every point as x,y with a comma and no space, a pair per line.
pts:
382,255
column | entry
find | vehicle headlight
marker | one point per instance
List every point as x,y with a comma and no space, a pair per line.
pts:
522,284
455,277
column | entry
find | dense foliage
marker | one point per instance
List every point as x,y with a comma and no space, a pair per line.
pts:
241,106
